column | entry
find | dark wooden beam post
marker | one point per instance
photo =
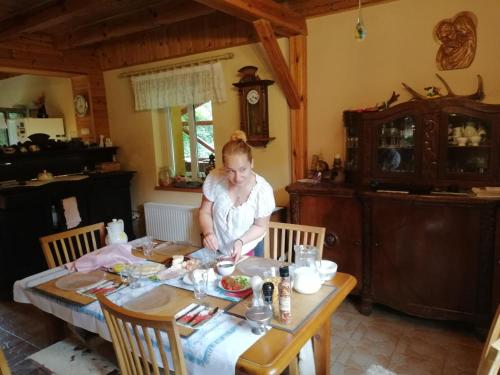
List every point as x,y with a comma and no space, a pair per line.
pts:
283,76
298,116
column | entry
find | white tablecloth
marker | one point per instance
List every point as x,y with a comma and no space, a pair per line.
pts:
213,349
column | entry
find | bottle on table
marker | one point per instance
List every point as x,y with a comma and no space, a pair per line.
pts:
285,296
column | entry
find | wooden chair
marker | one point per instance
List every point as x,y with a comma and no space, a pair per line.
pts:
129,331
64,247
4,366
281,237
279,241
489,364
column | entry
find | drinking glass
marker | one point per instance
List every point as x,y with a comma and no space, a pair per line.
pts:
147,246
200,282
134,274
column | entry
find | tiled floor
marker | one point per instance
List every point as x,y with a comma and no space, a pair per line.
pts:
400,343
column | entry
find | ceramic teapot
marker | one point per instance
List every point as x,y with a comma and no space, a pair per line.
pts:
470,129
116,233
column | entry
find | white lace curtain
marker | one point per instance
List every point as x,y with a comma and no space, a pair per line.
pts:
179,87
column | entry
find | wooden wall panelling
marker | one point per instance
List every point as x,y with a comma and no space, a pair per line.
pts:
207,33
298,116
96,121
80,85
98,103
32,52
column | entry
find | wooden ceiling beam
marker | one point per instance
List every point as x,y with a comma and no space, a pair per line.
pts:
140,21
283,76
41,18
285,21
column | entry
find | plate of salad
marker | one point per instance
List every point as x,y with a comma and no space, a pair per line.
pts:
235,283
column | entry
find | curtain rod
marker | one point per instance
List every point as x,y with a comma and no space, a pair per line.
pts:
205,60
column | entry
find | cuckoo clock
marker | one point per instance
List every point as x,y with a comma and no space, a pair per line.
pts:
253,106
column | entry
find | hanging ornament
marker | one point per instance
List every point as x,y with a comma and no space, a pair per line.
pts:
360,29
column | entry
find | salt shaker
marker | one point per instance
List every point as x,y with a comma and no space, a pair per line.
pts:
256,283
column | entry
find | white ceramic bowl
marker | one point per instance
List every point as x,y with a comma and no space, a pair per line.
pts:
225,267
327,270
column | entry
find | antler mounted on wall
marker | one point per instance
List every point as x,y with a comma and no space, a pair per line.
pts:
478,95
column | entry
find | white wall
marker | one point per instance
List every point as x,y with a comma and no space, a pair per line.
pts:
25,89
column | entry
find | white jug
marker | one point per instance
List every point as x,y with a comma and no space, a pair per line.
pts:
116,233
306,280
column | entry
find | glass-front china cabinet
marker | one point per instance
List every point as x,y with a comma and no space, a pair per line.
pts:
405,222
439,144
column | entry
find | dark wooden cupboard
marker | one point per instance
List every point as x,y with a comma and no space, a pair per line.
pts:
430,256
27,213
427,245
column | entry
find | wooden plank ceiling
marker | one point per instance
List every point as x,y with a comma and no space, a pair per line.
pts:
54,27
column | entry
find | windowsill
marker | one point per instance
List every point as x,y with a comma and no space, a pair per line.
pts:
173,188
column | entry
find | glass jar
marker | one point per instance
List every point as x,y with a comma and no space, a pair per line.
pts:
163,176
305,256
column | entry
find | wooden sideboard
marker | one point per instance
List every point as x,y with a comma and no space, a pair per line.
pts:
426,255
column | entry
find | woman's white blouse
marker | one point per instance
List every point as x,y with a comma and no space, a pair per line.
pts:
230,222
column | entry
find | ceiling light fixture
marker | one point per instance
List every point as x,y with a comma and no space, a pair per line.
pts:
360,29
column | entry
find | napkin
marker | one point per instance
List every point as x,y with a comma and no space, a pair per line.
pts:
104,257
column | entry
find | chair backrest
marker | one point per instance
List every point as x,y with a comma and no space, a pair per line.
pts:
281,237
64,247
489,364
4,366
132,333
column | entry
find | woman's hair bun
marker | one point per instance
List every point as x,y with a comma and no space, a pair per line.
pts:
238,135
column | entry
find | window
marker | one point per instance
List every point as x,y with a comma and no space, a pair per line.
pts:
192,133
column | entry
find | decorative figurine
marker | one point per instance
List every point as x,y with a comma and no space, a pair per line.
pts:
458,41
211,164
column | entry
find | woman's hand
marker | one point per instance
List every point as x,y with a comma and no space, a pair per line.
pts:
210,241
237,248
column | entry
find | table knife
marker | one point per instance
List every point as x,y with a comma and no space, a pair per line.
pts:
207,317
187,312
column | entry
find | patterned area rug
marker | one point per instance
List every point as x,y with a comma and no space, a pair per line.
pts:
70,357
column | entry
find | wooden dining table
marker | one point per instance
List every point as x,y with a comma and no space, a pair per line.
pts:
277,348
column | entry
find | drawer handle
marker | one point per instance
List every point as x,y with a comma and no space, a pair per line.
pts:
331,239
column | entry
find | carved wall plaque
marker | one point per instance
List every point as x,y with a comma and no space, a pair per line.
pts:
457,36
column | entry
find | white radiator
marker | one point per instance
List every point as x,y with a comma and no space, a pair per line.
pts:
170,222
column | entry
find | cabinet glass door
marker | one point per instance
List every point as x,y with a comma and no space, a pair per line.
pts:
352,149
396,146
469,145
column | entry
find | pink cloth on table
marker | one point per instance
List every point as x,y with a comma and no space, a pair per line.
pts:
104,257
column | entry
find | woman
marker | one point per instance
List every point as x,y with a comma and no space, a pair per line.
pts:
237,203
